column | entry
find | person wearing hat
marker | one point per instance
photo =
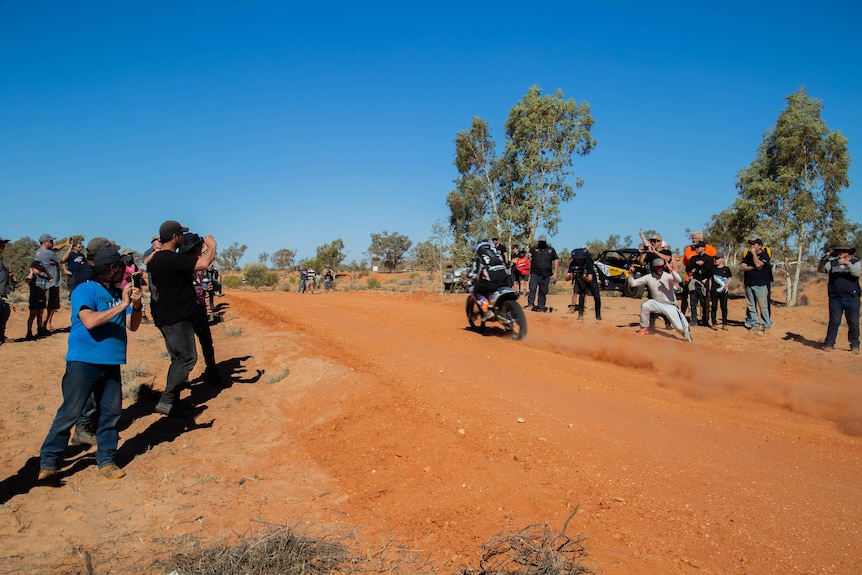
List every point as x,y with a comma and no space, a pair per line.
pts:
689,252
757,275
174,305
48,255
6,280
192,245
652,248
328,278
721,278
38,279
96,349
582,274
76,260
843,290
543,270
661,283
699,270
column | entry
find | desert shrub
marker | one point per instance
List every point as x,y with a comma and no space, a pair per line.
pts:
132,377
231,282
283,286
372,283
258,275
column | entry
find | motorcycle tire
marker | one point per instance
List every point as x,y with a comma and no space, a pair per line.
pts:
474,314
516,323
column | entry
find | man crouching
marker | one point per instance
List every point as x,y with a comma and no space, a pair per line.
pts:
661,283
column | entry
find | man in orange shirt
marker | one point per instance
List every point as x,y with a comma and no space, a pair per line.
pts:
690,252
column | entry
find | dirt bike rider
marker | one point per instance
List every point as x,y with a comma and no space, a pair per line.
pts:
489,273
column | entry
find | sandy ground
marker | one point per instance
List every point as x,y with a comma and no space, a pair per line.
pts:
383,416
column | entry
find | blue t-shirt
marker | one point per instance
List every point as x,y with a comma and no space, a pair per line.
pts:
105,344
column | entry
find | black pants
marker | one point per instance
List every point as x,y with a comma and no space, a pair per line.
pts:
581,287
719,299
201,325
698,297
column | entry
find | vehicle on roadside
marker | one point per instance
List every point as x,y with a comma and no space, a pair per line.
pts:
613,269
505,308
456,280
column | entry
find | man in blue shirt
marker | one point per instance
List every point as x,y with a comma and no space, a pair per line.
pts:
97,349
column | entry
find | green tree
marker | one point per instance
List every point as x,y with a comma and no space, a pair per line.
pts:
18,256
228,259
263,257
332,254
257,275
390,249
543,133
283,259
793,185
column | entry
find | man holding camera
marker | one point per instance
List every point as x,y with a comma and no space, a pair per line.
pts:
582,274
757,275
843,289
174,304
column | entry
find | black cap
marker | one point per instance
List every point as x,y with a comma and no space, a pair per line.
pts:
169,228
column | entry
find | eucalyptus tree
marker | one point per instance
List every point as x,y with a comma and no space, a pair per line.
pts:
512,195
792,187
389,248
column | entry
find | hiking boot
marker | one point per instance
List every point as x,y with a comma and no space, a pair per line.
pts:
724,327
643,331
29,336
48,477
111,472
83,436
581,316
828,347
854,350
163,408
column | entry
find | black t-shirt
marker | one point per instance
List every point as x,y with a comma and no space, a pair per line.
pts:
700,271
757,277
174,297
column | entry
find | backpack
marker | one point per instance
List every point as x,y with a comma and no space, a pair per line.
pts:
494,265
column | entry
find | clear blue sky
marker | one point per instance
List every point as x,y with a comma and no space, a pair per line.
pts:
287,125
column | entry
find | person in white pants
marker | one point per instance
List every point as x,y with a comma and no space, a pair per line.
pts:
661,283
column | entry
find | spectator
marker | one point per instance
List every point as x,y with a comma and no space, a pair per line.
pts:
661,283
699,270
653,248
311,282
74,264
582,273
193,245
757,273
502,250
51,260
174,307
543,271
7,279
687,254
521,270
843,290
721,279
39,279
328,278
97,349
303,279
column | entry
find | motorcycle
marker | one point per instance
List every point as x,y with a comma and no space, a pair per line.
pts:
507,311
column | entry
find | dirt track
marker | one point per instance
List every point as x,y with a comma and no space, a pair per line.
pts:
737,454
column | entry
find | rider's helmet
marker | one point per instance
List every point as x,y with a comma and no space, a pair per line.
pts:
481,245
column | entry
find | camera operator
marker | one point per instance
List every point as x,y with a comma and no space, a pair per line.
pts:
843,289
582,274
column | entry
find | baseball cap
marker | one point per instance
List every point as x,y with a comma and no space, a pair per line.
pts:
4,241
97,244
542,238
106,256
169,228
154,238
46,238
658,262
757,241
719,255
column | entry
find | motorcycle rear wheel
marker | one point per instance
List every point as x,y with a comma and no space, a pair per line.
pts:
513,315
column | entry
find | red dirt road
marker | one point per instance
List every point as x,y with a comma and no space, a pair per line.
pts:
736,454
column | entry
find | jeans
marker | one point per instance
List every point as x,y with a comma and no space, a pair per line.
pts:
79,382
849,308
757,297
180,343
540,284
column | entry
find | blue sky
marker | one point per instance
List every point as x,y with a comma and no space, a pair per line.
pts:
278,125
